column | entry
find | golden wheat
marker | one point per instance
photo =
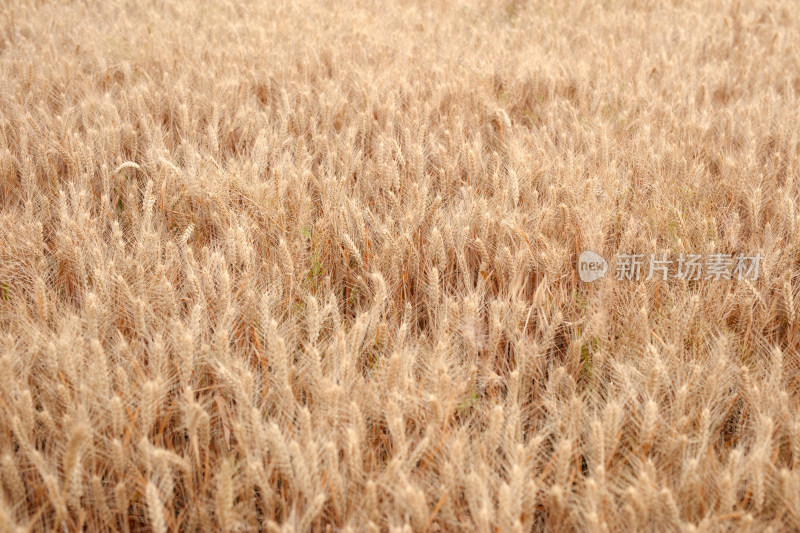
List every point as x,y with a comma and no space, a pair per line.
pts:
297,266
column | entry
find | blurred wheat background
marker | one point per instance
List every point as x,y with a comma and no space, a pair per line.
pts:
310,266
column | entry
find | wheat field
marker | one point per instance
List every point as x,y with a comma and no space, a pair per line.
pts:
313,266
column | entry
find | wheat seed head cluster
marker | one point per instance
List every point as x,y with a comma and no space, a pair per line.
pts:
311,266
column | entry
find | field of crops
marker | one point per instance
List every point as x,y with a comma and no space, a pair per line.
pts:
311,266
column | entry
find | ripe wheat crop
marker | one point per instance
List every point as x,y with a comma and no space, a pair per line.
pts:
311,266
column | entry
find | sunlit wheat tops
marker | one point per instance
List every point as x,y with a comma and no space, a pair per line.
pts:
297,267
